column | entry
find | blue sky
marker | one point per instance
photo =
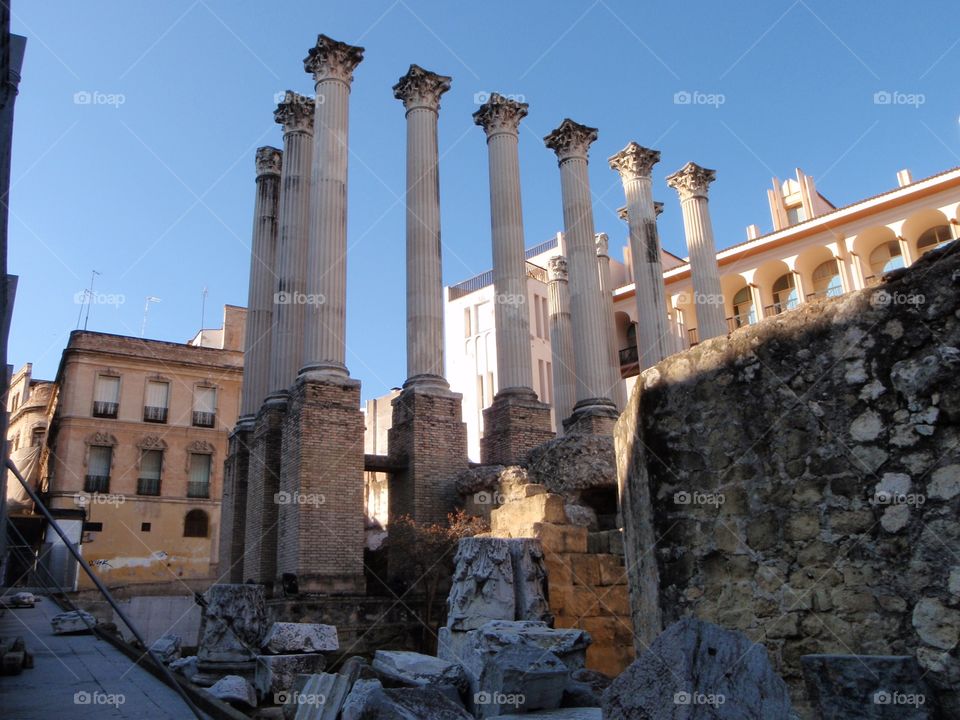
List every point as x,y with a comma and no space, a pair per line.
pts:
152,182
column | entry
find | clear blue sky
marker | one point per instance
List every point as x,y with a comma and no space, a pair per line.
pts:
156,193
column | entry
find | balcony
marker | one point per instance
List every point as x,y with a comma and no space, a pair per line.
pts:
103,409
154,414
204,419
629,355
96,483
779,307
198,489
693,337
148,486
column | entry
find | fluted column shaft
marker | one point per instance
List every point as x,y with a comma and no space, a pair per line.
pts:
258,343
561,341
420,91
691,183
571,142
617,386
324,352
500,119
289,300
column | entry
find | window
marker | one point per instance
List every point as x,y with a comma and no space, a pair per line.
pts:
538,314
198,483
467,325
151,465
545,311
484,317
795,215
98,469
886,257
36,437
144,527
93,527
195,524
826,280
785,293
743,310
15,402
106,398
204,406
933,238
155,407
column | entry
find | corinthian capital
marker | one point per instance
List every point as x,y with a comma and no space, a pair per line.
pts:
557,268
421,88
330,59
571,140
691,181
634,161
269,160
295,113
500,115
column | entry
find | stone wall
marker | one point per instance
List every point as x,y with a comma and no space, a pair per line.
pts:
801,479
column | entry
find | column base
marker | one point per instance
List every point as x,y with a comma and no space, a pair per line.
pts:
429,436
513,425
263,486
321,370
428,382
594,416
321,498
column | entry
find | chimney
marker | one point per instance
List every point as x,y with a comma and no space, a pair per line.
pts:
904,178
753,232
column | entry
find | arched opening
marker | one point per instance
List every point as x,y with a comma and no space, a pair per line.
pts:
603,501
826,279
743,311
886,257
196,524
931,239
785,293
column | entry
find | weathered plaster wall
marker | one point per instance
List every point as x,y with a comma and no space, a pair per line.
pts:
801,479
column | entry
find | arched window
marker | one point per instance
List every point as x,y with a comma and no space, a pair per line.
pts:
886,257
826,279
632,335
784,293
933,238
743,310
196,524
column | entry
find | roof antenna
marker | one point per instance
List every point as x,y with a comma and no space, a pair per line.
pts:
203,311
88,298
146,309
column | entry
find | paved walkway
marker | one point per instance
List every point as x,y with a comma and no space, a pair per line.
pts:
78,677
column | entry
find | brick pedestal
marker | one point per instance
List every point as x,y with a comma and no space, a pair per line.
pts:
515,423
263,484
321,509
589,418
429,436
233,506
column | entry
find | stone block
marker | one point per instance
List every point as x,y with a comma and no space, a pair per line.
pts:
560,538
519,677
234,689
406,704
317,697
612,570
277,673
529,580
167,648
73,621
354,705
585,569
415,669
234,620
521,513
482,588
288,637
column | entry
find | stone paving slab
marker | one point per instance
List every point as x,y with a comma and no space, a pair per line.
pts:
77,677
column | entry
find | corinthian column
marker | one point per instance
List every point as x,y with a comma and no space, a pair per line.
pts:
571,142
618,388
508,432
420,91
561,340
332,64
691,183
634,163
257,346
295,114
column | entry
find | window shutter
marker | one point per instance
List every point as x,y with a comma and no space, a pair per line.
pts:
99,462
205,400
108,389
151,463
157,393
199,468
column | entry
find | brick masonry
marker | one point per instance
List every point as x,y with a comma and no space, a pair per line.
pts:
233,507
513,425
430,438
263,483
591,421
321,513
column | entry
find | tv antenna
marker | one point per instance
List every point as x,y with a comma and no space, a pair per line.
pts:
146,309
87,300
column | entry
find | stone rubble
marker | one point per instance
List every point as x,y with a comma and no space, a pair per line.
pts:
73,621
284,638
234,689
167,648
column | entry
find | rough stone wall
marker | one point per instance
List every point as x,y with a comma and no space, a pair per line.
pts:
263,484
804,479
233,507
